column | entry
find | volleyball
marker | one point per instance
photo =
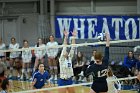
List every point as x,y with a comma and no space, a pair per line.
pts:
101,36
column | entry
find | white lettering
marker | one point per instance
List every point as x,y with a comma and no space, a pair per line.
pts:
92,22
81,27
134,28
115,23
105,26
64,24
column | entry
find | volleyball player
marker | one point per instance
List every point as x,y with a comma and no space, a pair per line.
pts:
40,77
52,53
113,86
65,63
99,70
2,54
2,76
26,60
39,53
14,56
4,86
3,68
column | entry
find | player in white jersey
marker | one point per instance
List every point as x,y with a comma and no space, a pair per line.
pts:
39,53
65,63
2,47
52,53
14,56
111,85
26,60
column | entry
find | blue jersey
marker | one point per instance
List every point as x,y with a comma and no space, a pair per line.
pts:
138,65
40,79
129,62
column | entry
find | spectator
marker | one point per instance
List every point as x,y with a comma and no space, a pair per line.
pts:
52,53
39,53
79,63
129,66
92,57
2,54
93,54
130,62
26,60
14,56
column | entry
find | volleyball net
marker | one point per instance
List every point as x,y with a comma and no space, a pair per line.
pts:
87,48
74,45
79,88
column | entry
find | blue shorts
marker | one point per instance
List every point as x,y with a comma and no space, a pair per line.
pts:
63,82
2,57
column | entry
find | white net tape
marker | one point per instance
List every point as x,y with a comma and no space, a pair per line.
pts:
74,45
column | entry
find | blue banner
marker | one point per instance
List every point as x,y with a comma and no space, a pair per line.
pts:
119,27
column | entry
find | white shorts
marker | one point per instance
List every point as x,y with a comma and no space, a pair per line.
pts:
26,60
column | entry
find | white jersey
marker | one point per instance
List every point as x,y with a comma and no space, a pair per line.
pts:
40,53
14,54
111,85
66,70
3,91
52,52
26,55
92,58
2,47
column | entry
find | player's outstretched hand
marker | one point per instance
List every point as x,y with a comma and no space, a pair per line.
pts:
74,33
66,33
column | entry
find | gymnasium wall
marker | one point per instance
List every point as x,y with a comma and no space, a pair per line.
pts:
31,19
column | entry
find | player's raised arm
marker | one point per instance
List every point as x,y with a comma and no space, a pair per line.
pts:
66,33
106,53
74,33
64,50
107,39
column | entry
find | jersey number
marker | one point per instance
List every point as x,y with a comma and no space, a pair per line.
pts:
102,73
69,64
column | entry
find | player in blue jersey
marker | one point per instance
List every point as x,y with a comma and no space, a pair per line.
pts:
40,77
99,70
